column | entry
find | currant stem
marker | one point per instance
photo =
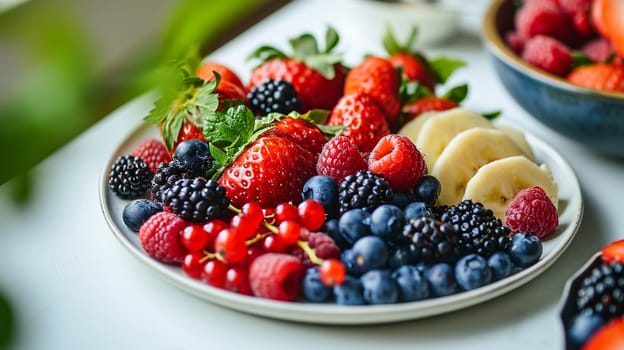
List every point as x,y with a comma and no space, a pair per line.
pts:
207,256
310,252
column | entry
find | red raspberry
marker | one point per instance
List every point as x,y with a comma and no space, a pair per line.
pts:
159,237
543,18
599,49
548,54
578,11
531,211
340,158
276,276
398,160
153,152
323,245
515,41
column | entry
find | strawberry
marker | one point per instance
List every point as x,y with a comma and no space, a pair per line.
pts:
548,54
377,77
205,71
543,18
276,276
317,76
608,16
608,337
153,152
159,237
301,132
600,76
613,252
339,159
397,159
364,120
427,104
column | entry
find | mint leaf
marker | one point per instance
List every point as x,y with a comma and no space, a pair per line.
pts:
331,39
491,115
457,94
229,128
444,67
218,155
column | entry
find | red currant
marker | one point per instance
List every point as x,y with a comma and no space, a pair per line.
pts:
289,231
273,244
214,273
212,228
237,280
253,212
253,251
193,238
332,272
243,225
286,211
311,214
230,246
192,264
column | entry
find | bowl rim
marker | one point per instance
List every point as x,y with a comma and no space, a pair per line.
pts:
499,48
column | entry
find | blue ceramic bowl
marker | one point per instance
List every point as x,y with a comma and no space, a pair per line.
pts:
591,117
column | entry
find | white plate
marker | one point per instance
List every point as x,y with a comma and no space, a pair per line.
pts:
570,210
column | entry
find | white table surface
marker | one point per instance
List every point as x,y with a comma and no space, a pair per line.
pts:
73,285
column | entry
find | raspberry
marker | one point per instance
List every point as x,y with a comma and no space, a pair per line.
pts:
323,245
340,158
548,54
159,237
531,211
276,276
543,18
578,11
515,41
398,160
153,152
599,49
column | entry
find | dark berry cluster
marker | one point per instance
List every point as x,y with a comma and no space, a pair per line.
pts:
130,177
602,291
273,96
432,240
197,200
363,189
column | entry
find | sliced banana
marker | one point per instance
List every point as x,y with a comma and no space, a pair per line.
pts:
412,128
465,154
438,130
498,182
518,137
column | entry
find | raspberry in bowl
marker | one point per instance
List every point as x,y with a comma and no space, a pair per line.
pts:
559,67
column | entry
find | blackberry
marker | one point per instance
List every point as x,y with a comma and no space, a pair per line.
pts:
130,177
479,230
365,190
197,200
273,96
602,291
166,175
433,241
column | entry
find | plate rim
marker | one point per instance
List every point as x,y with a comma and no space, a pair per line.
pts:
333,314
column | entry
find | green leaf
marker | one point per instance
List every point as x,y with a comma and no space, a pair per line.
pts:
580,59
491,115
304,45
390,43
457,94
331,130
171,129
444,67
218,155
316,116
410,91
331,39
265,53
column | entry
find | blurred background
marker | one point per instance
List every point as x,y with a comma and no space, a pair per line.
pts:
65,64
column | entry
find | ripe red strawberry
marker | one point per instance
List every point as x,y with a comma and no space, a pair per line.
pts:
364,120
398,160
427,104
377,77
607,17
276,276
548,54
159,237
613,252
543,18
608,337
600,76
531,211
229,94
153,152
340,158
270,171
205,71
317,76
301,132
414,65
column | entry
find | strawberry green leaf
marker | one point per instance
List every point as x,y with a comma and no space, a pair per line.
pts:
491,115
580,59
265,53
392,45
173,126
409,91
444,67
331,39
324,64
316,116
304,45
457,94
331,130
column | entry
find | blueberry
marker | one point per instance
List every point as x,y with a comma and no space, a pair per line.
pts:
194,154
402,198
582,327
333,230
349,292
402,255
472,271
387,221
354,224
415,210
441,279
324,190
412,283
428,189
370,252
313,289
379,287
501,265
138,211
524,249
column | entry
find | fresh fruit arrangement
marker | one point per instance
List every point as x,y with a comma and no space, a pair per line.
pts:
579,40
595,315
325,183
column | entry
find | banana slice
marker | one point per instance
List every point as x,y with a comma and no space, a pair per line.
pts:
464,155
518,137
437,131
412,128
498,182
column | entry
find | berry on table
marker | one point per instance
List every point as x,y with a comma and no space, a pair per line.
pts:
532,211
387,221
166,176
197,200
363,189
323,189
313,289
193,265
354,224
153,152
349,292
412,283
398,160
427,189
434,241
472,271
214,273
159,237
370,253
340,158
524,249
379,287
276,276
130,177
138,211
237,280
441,279
500,264
273,96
